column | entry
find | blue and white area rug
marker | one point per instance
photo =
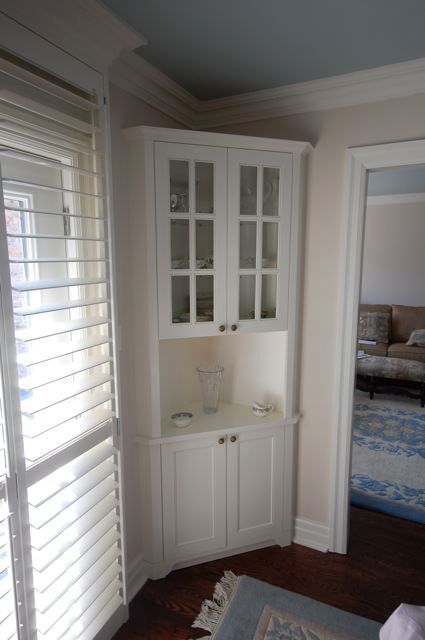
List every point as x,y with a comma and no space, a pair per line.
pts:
388,459
243,608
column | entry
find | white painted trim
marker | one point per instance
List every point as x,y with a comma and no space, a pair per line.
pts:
311,534
138,77
361,87
399,198
84,28
162,134
136,577
359,161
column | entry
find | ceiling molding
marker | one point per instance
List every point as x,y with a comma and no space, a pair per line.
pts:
84,28
398,198
140,78
135,75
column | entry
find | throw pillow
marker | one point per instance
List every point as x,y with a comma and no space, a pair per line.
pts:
417,338
374,325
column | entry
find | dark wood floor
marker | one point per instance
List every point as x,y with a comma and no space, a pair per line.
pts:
384,567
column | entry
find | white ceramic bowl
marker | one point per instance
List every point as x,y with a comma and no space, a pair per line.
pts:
182,419
261,410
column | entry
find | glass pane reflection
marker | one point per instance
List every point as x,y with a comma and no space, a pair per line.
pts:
270,191
204,244
248,191
179,186
204,187
180,298
247,297
268,295
179,234
204,298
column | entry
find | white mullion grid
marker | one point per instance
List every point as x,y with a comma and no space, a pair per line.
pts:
29,142
200,217
277,220
259,244
192,241
19,519
34,158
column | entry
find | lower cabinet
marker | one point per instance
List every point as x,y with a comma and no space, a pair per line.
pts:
222,492
193,497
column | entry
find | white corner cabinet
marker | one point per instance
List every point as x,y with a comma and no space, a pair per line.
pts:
216,253
222,216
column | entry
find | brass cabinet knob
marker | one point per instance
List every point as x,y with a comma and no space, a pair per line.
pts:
234,327
221,441
233,439
221,328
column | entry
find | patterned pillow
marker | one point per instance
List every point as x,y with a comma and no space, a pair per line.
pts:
417,338
374,325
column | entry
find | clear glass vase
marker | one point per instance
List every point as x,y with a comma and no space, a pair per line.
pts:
210,379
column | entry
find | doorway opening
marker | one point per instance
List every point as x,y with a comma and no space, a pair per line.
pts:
388,457
360,161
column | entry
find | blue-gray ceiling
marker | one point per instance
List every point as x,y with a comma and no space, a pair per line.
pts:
216,48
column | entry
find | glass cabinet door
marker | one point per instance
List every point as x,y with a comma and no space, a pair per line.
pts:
191,217
259,216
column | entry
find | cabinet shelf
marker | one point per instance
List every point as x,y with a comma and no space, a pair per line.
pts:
230,416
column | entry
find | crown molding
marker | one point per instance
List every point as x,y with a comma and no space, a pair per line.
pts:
86,29
396,199
135,75
361,87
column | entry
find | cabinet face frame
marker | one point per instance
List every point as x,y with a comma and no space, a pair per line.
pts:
165,153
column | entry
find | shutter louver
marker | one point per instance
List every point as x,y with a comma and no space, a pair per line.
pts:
8,621
57,239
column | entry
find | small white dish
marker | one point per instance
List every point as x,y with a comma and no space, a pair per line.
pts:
261,410
182,418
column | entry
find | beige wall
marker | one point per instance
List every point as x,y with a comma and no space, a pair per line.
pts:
331,132
394,255
125,111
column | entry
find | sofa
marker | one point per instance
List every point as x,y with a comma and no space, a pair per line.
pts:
391,326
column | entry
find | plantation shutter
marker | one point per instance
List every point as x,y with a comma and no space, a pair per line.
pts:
8,620
55,235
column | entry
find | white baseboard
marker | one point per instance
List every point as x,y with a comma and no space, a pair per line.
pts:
136,577
311,534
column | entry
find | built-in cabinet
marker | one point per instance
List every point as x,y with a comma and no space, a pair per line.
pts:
222,492
220,233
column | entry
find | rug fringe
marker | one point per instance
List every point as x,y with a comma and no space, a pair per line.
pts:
212,610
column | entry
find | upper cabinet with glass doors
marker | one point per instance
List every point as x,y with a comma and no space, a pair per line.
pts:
223,229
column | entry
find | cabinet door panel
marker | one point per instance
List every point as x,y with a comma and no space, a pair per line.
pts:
194,498
259,220
255,487
191,224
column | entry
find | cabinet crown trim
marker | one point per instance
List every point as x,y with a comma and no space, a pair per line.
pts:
162,134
